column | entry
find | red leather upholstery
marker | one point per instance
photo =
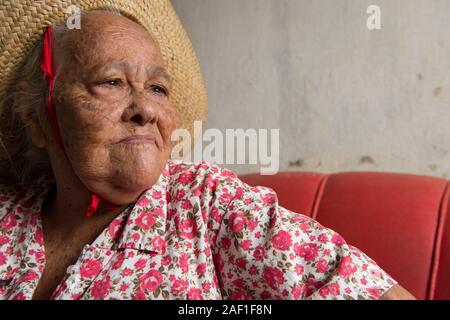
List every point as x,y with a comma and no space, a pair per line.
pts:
401,221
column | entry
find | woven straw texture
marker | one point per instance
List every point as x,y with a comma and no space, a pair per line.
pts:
22,23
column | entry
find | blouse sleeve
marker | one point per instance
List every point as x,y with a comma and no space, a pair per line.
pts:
264,251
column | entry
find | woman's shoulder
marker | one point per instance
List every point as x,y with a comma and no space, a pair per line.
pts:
188,172
12,197
202,168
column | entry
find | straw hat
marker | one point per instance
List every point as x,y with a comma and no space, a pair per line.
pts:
22,23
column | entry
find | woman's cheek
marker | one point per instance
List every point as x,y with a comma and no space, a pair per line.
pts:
110,95
169,122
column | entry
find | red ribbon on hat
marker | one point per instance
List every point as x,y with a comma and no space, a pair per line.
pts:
48,68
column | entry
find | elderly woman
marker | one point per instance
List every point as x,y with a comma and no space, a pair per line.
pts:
87,118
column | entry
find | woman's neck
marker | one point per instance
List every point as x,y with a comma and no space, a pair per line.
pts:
66,205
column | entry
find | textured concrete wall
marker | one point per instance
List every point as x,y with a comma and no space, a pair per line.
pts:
344,97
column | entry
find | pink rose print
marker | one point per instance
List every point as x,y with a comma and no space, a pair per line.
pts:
39,237
194,294
323,238
184,262
114,228
241,263
274,277
188,229
228,173
245,244
9,222
307,251
226,243
282,241
3,239
269,198
143,201
201,269
150,281
299,269
265,295
30,276
158,212
252,224
322,266
100,289
186,178
166,260
140,264
139,295
324,292
179,286
215,214
337,239
237,221
376,273
225,198
39,256
312,285
90,268
298,291
329,290
346,267
119,262
240,295
334,289
206,286
145,221
260,253
305,227
126,272
180,195
159,244
2,259
239,283
157,195
186,205
375,293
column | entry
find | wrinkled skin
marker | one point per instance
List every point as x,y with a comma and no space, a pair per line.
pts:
110,85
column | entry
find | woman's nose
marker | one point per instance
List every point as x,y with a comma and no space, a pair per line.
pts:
140,113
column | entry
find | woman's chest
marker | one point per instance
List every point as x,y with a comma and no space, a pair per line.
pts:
100,273
137,274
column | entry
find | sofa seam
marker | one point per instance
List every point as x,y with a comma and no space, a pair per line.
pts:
318,196
434,268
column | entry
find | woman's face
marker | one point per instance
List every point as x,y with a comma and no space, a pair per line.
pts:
112,103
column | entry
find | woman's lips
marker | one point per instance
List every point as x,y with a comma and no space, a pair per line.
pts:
138,139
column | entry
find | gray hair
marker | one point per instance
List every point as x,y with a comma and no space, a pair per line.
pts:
21,162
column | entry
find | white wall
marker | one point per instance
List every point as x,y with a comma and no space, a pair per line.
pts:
344,97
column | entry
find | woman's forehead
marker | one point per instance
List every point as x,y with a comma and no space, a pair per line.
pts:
123,43
151,69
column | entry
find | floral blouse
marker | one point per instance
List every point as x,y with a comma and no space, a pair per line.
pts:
198,233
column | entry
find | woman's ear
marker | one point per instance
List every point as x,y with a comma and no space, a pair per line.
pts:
31,122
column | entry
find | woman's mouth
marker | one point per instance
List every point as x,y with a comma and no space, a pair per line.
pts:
138,139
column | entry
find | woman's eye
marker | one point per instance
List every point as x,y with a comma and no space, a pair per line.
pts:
113,82
158,89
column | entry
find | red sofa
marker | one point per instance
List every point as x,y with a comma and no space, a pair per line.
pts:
401,221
